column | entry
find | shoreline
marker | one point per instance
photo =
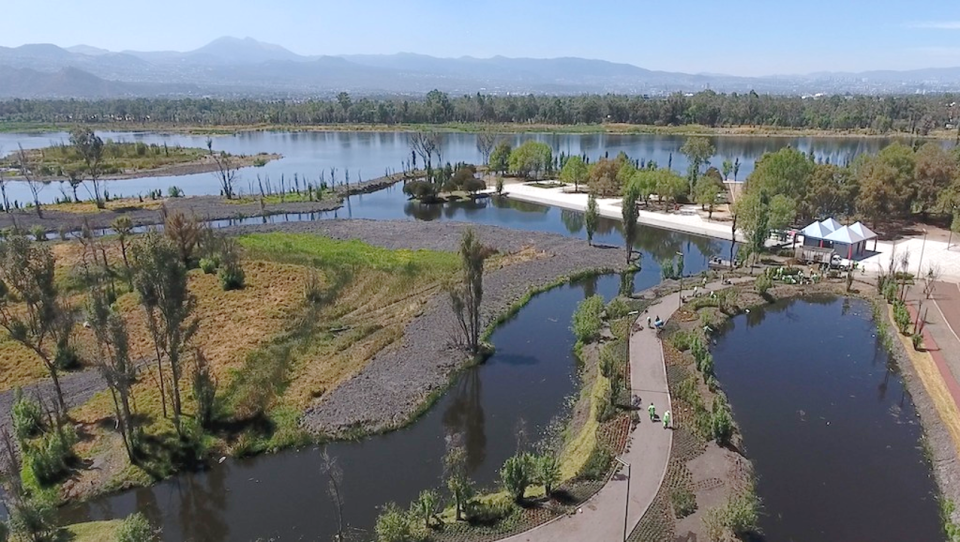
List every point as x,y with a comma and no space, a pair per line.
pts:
505,128
196,167
206,208
685,221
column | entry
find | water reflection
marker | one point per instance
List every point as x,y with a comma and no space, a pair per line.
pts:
464,419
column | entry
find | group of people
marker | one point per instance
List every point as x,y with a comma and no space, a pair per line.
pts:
655,324
653,416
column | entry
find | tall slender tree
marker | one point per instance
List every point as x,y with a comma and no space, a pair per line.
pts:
630,213
591,218
467,296
90,148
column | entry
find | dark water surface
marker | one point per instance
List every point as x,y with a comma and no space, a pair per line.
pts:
283,496
366,155
828,424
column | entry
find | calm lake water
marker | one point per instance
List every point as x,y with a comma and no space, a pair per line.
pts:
828,424
367,155
283,497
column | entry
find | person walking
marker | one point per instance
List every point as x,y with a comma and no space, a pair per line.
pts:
666,420
649,322
653,412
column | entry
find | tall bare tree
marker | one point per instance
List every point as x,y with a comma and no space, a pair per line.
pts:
27,275
486,141
3,189
425,144
227,169
90,147
467,296
161,281
32,175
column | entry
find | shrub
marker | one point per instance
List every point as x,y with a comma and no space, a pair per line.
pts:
34,517
586,320
421,190
683,340
721,421
39,232
734,520
684,501
231,277
598,464
48,456
547,472
27,417
499,185
516,474
393,525
901,316
135,528
208,266
917,341
490,512
66,357
762,284
426,507
617,308
175,191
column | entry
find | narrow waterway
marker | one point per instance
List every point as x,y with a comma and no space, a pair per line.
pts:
828,424
284,497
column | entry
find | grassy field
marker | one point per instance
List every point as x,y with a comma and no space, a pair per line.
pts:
313,312
94,531
115,205
620,128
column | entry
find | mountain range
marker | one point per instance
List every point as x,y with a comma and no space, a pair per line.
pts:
233,67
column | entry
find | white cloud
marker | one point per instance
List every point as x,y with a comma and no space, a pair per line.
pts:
938,25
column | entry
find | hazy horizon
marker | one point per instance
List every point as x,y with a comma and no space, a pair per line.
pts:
742,37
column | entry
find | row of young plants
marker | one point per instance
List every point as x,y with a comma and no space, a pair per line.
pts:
533,485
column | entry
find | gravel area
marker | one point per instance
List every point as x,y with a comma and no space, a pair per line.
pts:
395,384
77,388
205,207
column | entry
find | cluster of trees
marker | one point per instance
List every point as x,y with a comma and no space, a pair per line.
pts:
900,182
881,114
40,315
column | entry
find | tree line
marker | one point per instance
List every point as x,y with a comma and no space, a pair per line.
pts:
915,114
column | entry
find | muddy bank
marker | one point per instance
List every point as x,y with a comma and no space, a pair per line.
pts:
205,207
398,381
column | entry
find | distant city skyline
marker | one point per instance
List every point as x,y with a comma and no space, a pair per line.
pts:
739,37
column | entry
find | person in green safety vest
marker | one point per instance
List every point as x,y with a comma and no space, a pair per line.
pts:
653,412
666,419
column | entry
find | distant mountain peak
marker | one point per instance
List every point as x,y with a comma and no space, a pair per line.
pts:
244,50
88,50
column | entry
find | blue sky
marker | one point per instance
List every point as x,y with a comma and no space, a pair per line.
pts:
741,37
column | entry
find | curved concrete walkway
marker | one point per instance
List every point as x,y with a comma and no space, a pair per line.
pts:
602,517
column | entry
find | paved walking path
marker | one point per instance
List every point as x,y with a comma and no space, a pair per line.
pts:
601,518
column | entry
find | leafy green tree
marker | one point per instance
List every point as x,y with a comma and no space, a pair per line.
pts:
785,172
753,216
500,157
531,158
574,171
466,298
832,192
726,168
27,275
516,474
707,191
669,185
393,525
161,282
455,474
698,151
90,147
782,212
630,213
115,365
426,507
591,217
604,177
547,472
646,183
587,320
935,171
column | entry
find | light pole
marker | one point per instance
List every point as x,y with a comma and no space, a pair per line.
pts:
626,500
920,263
680,265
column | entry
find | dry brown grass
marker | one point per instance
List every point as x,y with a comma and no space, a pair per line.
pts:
120,205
